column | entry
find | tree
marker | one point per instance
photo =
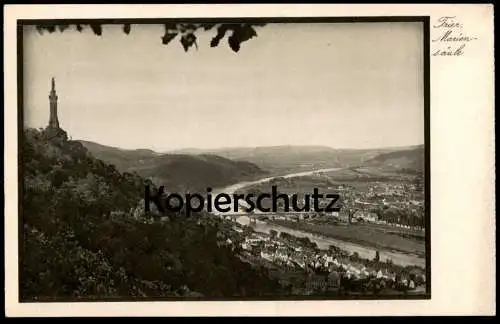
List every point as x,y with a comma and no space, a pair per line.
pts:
236,33
333,249
248,231
377,256
68,250
285,236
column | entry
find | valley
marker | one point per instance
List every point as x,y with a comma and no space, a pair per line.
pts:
289,158
178,172
381,190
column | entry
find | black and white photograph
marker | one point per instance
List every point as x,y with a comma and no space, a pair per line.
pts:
249,160
230,159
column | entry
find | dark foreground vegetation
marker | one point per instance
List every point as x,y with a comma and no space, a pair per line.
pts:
73,245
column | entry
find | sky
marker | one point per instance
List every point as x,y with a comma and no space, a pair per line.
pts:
343,85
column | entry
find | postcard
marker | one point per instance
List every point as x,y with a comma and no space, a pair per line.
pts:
249,160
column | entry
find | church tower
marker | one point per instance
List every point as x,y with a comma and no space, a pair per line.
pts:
53,121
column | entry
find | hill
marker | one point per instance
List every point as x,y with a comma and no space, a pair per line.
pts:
81,240
284,159
121,158
179,172
196,173
411,160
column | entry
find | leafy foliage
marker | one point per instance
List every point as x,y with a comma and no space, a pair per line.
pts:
241,34
238,33
81,240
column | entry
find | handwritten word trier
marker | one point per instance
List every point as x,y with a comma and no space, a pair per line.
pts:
452,39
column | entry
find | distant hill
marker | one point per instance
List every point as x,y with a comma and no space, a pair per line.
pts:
195,172
283,159
193,168
121,158
177,171
412,160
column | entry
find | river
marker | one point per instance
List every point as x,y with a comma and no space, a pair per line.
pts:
364,251
240,185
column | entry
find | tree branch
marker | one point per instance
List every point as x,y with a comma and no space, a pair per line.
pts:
238,33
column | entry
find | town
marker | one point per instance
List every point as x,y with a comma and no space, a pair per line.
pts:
395,203
298,262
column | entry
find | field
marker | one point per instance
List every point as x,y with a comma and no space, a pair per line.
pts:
360,178
371,174
378,236
297,185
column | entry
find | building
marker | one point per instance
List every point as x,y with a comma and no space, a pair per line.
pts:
53,120
53,129
367,216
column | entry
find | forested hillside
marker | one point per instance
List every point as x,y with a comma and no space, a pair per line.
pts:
73,245
178,172
183,173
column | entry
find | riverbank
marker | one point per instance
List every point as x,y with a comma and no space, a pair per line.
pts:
362,234
366,252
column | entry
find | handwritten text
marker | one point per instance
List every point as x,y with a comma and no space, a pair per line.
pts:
452,39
